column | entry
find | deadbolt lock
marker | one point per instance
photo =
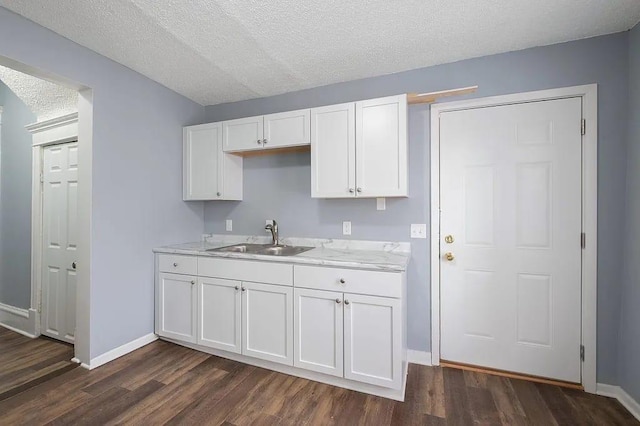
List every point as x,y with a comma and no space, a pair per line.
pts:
448,239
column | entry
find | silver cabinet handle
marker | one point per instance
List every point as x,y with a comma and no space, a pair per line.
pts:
359,189
237,288
346,302
244,289
175,264
351,190
192,282
259,142
218,194
73,265
338,301
264,141
342,281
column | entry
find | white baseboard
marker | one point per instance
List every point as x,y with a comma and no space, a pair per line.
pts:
20,320
419,357
120,351
618,393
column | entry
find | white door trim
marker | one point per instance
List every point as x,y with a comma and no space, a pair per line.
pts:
46,133
589,95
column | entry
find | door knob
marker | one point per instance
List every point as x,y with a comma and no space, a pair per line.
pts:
264,141
338,301
346,302
259,142
448,239
358,190
351,190
449,256
73,265
237,288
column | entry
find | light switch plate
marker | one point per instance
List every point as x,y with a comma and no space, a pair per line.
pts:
229,225
418,230
346,228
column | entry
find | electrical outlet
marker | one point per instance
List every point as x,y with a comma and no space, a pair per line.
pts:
229,225
418,230
346,228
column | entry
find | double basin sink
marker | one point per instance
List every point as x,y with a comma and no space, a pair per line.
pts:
264,249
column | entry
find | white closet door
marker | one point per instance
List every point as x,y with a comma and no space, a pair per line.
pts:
59,250
511,203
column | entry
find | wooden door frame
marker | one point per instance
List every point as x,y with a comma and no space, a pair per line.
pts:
589,95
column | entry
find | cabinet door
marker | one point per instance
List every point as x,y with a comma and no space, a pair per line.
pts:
243,134
318,339
177,302
267,322
287,129
373,340
219,314
202,162
381,147
333,151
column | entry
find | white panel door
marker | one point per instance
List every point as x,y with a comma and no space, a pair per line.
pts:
219,314
372,340
60,244
511,202
243,134
291,128
202,162
381,147
333,151
267,322
318,340
177,300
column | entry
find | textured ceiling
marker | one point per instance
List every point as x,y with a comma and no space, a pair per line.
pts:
215,51
46,100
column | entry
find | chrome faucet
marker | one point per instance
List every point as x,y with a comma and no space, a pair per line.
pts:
274,232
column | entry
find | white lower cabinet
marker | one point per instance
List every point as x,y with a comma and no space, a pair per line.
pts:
319,331
313,321
220,314
373,340
177,307
267,322
349,335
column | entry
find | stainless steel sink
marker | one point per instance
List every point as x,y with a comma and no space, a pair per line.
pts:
280,250
265,249
241,248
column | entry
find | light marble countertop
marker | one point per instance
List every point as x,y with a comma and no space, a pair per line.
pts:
371,255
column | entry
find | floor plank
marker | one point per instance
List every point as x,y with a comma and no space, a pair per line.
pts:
163,383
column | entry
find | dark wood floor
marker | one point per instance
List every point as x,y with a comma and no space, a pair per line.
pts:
26,362
167,384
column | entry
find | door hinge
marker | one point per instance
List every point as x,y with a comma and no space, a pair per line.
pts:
582,353
583,127
583,240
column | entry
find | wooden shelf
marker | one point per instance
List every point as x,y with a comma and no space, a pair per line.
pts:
431,97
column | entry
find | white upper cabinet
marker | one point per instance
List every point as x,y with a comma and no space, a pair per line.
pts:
243,134
360,149
209,173
333,151
280,130
287,129
381,147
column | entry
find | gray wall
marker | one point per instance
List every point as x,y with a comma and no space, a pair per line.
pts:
15,201
629,366
137,175
278,186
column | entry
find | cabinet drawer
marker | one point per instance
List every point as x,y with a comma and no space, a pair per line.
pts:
246,270
178,264
388,284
